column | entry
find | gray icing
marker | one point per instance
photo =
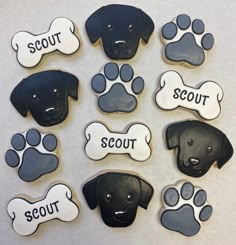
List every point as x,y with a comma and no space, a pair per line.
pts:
33,137
117,98
185,48
18,142
37,158
180,210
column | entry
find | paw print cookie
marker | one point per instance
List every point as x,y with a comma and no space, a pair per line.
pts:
34,154
117,88
186,41
185,208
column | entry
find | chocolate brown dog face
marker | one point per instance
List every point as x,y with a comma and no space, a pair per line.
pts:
199,146
118,195
45,95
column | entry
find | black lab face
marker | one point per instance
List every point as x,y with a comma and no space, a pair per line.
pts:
199,146
118,195
120,28
45,95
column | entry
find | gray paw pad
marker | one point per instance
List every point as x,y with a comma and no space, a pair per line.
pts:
186,41
34,153
117,88
185,207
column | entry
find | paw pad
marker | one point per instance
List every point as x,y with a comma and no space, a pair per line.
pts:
34,153
185,208
117,88
186,41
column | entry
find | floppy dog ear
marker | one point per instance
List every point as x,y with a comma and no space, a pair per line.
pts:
93,27
146,193
90,192
71,84
17,99
147,27
173,132
226,153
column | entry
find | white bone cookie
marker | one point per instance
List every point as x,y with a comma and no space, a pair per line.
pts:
174,93
27,216
30,48
101,142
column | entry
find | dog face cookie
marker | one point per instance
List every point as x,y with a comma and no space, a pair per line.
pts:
118,195
34,153
101,142
185,208
185,41
45,95
174,93
120,28
27,216
199,145
31,48
117,88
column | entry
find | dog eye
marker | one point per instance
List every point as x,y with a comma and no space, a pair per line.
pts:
129,197
110,27
190,141
209,149
35,97
130,28
109,196
56,91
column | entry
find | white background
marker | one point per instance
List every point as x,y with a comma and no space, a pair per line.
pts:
75,168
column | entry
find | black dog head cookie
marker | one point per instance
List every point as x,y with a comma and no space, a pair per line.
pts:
186,41
45,95
117,88
118,195
185,208
199,145
120,28
34,153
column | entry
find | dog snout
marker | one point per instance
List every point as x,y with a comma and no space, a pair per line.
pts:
194,161
50,111
120,44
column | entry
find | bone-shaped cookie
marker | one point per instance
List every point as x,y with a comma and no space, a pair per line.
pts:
135,141
30,48
174,93
27,216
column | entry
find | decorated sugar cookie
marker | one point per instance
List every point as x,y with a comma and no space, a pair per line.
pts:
45,96
120,27
186,41
204,99
30,48
34,153
118,196
185,208
117,88
199,146
27,216
134,141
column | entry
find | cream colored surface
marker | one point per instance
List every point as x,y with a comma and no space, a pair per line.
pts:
160,169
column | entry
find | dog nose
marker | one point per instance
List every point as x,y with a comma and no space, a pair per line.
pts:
120,44
119,214
50,111
194,161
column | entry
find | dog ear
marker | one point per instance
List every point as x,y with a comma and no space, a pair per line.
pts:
17,99
90,192
146,193
147,27
173,132
226,153
93,27
71,84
